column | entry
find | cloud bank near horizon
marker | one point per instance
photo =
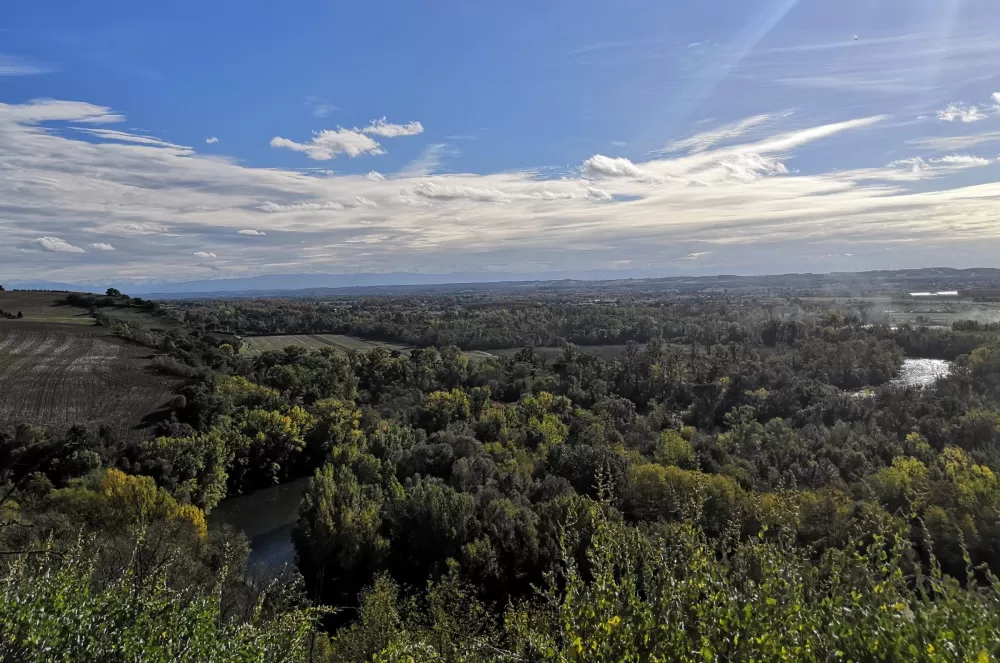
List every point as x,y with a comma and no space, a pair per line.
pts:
82,201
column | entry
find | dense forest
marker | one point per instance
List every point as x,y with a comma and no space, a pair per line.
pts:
740,464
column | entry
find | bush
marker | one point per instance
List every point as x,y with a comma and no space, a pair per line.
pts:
52,608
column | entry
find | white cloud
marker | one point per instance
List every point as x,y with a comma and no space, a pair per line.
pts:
270,206
436,191
598,194
144,228
38,111
212,140
326,145
57,245
915,164
101,246
375,176
445,191
696,255
251,232
386,129
204,254
793,139
962,113
750,166
361,200
996,99
601,166
962,160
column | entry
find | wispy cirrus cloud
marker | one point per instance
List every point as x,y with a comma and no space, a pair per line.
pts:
427,163
126,137
704,140
11,65
319,107
949,143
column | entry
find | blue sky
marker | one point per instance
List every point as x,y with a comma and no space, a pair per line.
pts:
186,140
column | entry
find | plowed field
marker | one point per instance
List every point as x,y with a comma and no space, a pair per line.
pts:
61,374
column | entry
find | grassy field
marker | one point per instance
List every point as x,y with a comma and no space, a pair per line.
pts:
257,344
64,374
43,307
139,318
931,311
603,351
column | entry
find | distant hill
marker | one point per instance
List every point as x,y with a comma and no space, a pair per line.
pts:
844,283
968,281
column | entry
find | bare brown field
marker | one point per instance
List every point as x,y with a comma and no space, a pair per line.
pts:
63,374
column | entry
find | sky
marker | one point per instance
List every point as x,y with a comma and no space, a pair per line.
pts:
168,142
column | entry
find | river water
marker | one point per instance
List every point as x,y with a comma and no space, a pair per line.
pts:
922,372
267,517
914,373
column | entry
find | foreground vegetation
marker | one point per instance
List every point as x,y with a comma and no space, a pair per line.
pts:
717,491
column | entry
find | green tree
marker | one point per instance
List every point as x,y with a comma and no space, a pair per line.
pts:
338,537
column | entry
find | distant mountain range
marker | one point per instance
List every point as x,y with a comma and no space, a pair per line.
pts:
318,284
302,281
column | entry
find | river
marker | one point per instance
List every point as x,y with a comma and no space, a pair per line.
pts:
922,372
914,373
267,517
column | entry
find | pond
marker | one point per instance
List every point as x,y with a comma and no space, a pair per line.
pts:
267,517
